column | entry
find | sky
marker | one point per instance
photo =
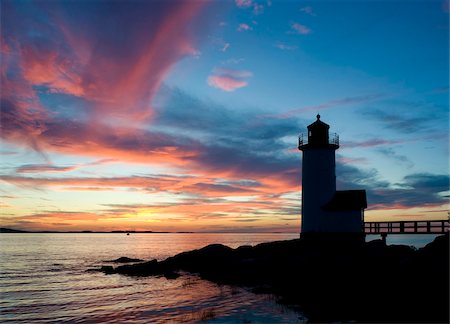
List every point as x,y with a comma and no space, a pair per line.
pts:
185,115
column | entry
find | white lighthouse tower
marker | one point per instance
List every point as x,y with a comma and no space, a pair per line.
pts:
325,210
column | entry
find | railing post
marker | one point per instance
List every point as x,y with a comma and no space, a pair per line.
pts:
443,226
402,227
415,227
428,227
383,238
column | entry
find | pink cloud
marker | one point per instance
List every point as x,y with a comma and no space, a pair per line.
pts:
225,83
244,27
117,83
244,3
228,79
117,78
300,29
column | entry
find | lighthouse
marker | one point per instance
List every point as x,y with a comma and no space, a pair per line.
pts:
325,210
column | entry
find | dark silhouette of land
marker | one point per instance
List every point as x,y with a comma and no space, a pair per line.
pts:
10,230
326,280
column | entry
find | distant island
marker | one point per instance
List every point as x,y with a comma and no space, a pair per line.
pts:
10,230
326,280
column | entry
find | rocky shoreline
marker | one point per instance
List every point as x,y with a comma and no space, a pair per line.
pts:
326,280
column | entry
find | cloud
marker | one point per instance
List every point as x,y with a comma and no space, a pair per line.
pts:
228,79
419,189
370,143
233,73
351,161
299,29
258,9
225,83
346,101
244,27
391,154
285,47
308,10
38,168
225,47
403,122
117,77
415,190
244,3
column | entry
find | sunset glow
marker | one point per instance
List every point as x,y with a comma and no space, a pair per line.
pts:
184,115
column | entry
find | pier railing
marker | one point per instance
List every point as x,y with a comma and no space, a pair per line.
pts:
407,227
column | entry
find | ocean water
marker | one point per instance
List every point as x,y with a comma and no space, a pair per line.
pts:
43,278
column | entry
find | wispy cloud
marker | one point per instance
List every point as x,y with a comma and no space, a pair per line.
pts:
64,56
401,122
244,27
257,8
298,28
415,190
308,10
244,3
40,168
225,47
285,47
371,143
391,154
346,101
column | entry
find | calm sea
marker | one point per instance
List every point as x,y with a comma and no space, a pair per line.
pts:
43,278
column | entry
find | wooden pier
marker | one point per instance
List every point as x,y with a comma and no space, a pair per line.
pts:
406,227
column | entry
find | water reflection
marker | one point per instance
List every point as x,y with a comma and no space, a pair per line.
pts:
44,278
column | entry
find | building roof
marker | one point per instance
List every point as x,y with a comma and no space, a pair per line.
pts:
347,200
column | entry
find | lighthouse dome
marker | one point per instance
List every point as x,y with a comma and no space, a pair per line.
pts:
318,132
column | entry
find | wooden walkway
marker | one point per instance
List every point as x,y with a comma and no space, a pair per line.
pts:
407,227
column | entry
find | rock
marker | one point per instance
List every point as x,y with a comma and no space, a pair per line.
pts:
170,275
124,260
369,282
141,269
107,269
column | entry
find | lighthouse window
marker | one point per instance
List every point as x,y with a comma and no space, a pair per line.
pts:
309,133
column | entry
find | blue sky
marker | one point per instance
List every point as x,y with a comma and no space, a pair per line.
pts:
184,115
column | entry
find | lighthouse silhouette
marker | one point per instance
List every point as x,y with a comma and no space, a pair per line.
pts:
325,210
